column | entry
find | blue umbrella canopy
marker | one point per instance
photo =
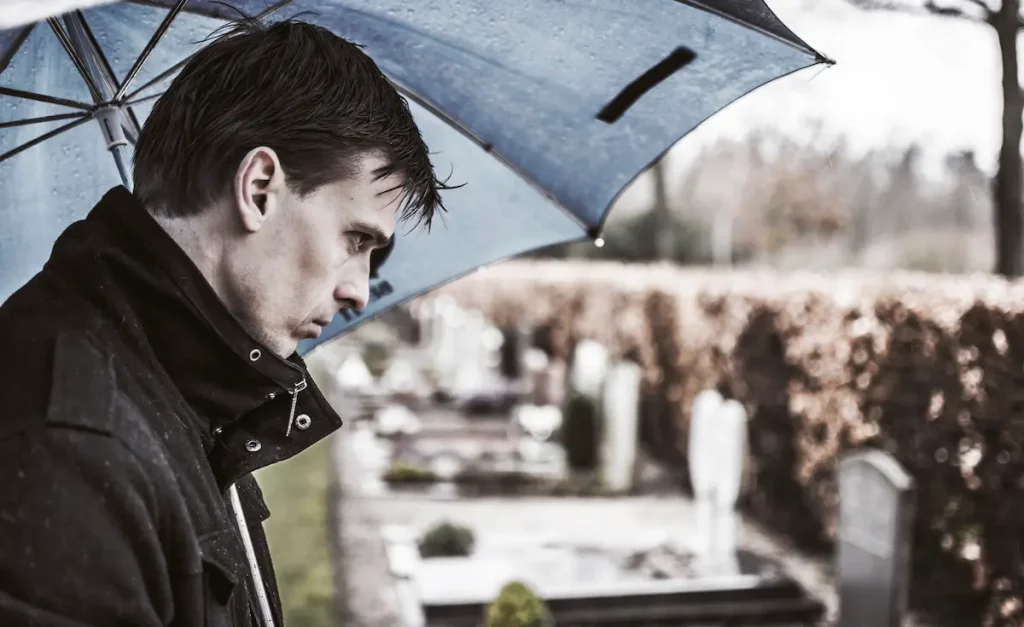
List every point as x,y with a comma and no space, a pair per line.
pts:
545,109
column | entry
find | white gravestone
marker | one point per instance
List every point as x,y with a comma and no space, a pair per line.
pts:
589,366
540,421
397,419
353,375
717,449
446,350
621,401
402,376
471,351
424,313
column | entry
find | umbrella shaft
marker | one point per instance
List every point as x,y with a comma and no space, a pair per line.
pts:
121,159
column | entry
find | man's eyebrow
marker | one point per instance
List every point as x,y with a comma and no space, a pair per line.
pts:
380,239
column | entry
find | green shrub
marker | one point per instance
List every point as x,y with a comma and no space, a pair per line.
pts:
447,540
518,606
401,472
581,429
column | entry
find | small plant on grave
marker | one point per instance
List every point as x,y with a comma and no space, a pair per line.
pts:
518,606
401,472
376,355
446,539
580,433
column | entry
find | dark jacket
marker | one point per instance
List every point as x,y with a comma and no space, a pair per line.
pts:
130,400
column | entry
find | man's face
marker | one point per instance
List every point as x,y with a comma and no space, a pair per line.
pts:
301,260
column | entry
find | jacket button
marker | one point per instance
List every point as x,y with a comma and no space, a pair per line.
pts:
255,354
302,422
253,445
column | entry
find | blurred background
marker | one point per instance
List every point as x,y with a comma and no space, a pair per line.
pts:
825,252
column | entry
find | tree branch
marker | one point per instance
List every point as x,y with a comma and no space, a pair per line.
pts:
981,10
952,11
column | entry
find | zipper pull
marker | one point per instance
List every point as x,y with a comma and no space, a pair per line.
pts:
295,399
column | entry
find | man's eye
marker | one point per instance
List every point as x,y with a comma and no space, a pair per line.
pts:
359,241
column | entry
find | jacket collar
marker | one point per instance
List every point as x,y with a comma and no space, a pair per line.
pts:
240,391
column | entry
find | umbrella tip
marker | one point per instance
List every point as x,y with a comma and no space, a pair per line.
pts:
825,59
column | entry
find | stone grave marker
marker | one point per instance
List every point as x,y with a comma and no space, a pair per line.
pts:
876,511
353,374
589,366
539,421
445,348
471,360
513,349
717,449
621,401
535,362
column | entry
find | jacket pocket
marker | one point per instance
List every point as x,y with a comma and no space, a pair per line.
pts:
222,577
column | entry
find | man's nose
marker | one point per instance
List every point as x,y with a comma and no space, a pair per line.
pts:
352,294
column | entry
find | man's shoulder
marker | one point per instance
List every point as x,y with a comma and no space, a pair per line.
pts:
63,379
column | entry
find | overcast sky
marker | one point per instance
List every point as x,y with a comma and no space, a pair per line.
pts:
899,78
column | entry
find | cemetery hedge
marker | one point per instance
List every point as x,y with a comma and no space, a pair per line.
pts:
927,367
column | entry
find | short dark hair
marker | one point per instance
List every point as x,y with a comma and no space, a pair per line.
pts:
318,100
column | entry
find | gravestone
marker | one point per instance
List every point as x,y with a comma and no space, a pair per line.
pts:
471,361
425,312
535,362
513,347
353,376
402,377
876,511
621,402
589,366
445,351
717,449
539,421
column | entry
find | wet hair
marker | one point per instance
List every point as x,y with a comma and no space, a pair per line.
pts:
316,99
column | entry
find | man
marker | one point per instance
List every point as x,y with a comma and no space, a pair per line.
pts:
150,366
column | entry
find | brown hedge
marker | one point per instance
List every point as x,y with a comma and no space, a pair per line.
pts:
927,367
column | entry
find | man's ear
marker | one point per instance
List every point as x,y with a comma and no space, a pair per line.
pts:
259,183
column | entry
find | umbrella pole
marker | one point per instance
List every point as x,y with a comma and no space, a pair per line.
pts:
110,124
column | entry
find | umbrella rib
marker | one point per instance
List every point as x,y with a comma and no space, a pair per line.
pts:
159,77
65,41
180,64
28,95
45,136
148,50
132,103
95,45
218,14
45,118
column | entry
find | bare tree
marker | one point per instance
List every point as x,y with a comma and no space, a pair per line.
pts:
664,240
1008,188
